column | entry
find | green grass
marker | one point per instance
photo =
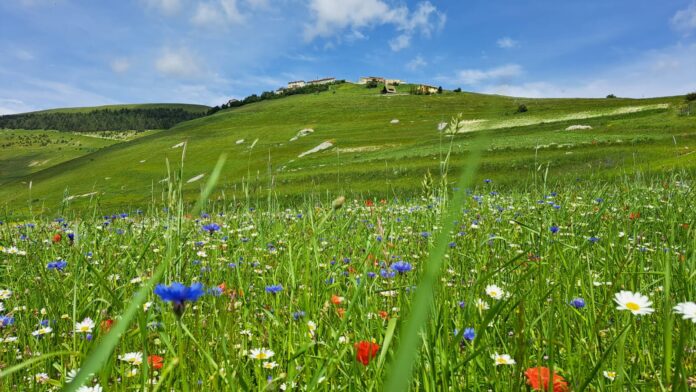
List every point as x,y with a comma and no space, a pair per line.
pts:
499,235
371,156
25,152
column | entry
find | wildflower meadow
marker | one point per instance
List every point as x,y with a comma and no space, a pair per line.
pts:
580,286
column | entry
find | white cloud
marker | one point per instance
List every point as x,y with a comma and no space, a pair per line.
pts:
332,17
685,20
417,63
662,72
477,76
258,4
120,65
12,106
402,41
24,55
217,12
180,63
506,43
167,7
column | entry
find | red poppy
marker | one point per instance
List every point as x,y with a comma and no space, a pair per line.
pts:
155,361
383,314
369,203
57,238
340,312
336,300
365,351
538,378
634,215
106,325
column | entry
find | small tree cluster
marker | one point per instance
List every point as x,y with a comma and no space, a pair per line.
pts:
522,108
690,97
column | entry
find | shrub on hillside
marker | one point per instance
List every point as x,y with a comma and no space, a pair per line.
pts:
691,97
458,90
611,96
522,108
439,90
372,84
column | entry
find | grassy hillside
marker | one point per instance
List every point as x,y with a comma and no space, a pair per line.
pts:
371,153
29,151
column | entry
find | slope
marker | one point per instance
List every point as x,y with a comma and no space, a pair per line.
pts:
381,145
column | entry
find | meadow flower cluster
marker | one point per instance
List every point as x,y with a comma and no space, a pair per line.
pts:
579,285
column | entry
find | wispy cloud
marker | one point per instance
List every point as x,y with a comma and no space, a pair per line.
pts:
335,17
167,7
417,63
685,20
120,65
216,13
506,43
477,76
179,63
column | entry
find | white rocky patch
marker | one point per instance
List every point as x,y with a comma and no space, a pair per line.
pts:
179,145
196,178
240,141
442,126
578,127
321,147
394,121
302,133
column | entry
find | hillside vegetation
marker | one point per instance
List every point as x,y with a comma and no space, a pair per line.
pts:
105,118
369,144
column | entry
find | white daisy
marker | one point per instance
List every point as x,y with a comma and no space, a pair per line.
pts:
135,358
270,365
502,359
687,310
261,353
611,375
637,303
85,388
84,326
495,292
42,331
5,294
481,305
41,378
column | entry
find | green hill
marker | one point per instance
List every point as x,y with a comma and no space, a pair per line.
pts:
105,118
380,145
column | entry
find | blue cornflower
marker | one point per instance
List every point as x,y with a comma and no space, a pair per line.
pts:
57,265
274,289
211,227
469,334
462,304
487,180
452,244
554,229
401,267
577,303
178,294
6,321
71,236
216,291
386,274
371,274
298,315
593,239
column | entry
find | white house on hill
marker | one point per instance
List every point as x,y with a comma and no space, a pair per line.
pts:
321,81
296,84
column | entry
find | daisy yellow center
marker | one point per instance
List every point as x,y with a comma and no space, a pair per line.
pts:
261,356
632,306
500,360
84,328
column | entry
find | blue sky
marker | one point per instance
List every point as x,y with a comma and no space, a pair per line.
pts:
58,53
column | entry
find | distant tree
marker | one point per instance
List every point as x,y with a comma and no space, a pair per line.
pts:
458,90
522,108
372,84
384,90
611,96
439,90
690,97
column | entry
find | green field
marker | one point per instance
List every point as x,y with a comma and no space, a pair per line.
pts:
370,155
25,152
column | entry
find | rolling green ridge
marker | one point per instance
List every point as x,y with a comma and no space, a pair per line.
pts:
371,154
106,118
